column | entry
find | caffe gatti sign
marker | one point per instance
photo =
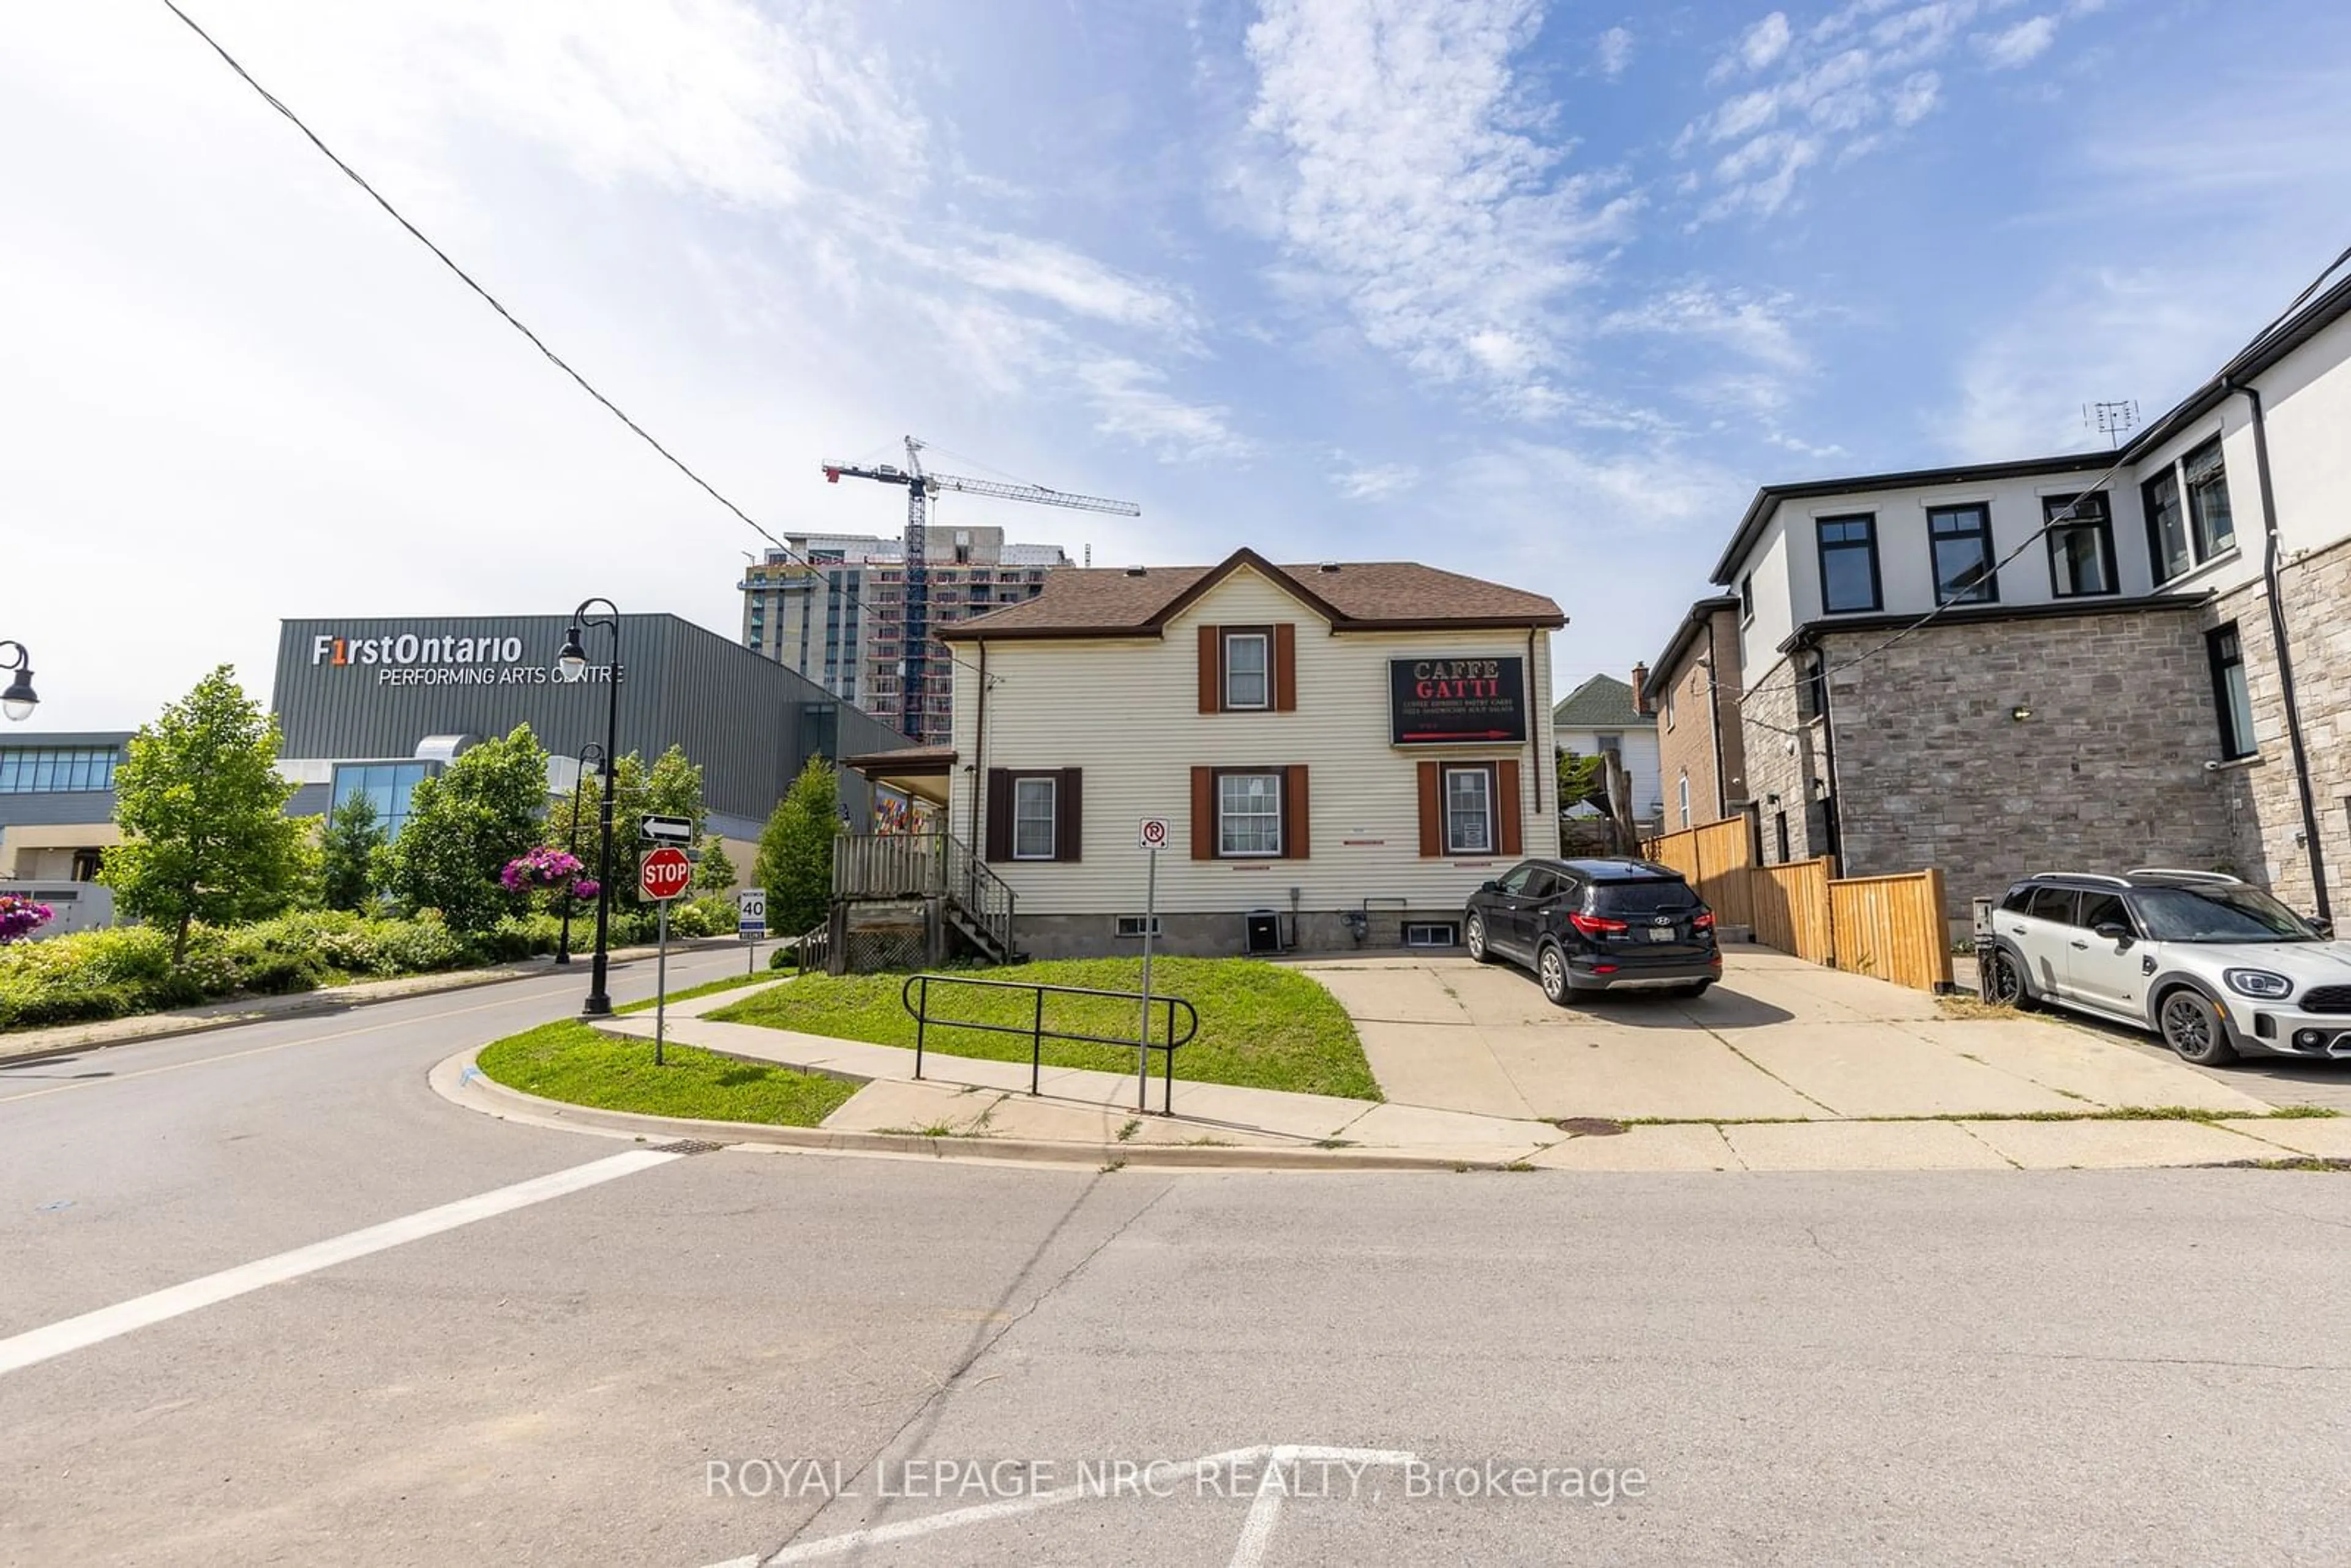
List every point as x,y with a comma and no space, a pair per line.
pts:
1456,702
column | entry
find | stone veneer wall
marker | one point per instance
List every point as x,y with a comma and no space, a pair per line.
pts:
2265,809
1784,757
2107,773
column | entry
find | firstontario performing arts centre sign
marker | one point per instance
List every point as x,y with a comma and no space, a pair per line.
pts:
406,659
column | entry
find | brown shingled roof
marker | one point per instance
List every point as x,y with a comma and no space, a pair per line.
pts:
1360,596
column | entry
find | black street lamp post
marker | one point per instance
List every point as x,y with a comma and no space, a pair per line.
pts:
571,665
571,847
19,700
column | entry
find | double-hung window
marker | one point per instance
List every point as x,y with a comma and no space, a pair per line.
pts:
1849,564
1033,805
2081,545
1246,683
1962,540
2230,693
1248,815
1469,810
2206,482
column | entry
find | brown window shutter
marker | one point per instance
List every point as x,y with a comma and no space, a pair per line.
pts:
1296,845
1506,805
1432,811
1069,816
1204,813
1285,669
999,815
1212,669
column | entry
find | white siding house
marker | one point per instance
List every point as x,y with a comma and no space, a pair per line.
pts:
1249,704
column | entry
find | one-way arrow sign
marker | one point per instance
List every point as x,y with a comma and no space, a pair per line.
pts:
666,830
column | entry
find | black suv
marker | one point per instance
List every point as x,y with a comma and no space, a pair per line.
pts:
1596,925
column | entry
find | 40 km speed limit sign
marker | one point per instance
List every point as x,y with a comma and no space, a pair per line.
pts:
1152,834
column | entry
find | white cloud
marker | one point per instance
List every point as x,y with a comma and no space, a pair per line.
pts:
1754,326
1041,269
2020,45
1129,403
1764,42
1857,75
1413,189
1616,50
1376,482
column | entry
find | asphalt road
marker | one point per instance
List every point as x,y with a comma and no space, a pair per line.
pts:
677,1364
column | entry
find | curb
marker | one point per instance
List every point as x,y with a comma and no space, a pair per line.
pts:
457,1080
304,1004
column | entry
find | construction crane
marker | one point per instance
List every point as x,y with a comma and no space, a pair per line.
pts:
921,486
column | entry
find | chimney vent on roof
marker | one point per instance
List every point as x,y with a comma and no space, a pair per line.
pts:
1135,571
1328,566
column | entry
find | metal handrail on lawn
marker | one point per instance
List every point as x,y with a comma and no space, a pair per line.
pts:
915,997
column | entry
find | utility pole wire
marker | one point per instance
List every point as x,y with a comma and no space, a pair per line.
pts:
510,319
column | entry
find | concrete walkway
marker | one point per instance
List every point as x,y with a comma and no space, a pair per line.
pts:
967,1103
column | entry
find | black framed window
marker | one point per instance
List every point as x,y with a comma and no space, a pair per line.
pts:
1747,598
2209,522
2230,695
2081,545
1961,540
2167,526
1849,564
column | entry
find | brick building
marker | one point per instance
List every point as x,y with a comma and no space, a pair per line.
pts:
1693,688
2134,657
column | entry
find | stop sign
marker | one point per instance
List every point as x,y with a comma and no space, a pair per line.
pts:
665,874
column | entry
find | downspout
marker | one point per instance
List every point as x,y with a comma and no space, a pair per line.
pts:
2270,552
1835,824
1534,739
978,759
1714,726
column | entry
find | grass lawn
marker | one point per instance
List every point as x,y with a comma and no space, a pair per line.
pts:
707,987
1261,1026
568,1060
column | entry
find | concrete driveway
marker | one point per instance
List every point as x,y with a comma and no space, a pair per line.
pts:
1777,1037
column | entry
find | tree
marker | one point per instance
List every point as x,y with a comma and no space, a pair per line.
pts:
465,825
672,786
201,808
795,864
348,855
717,872
1582,779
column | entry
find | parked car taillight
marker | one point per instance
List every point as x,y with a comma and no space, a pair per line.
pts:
1595,924
1705,921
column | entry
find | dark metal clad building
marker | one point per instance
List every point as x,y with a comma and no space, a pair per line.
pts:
351,691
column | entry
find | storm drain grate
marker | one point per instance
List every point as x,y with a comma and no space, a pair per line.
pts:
1589,1126
688,1147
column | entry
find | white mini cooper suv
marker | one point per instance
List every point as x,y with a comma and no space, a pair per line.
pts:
2215,967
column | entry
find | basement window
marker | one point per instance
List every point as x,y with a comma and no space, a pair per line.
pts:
1132,925
1432,934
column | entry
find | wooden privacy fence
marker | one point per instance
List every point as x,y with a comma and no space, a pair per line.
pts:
1889,927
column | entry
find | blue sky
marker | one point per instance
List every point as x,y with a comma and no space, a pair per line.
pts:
1535,292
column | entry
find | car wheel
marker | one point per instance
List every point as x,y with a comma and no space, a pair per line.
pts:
2008,986
1473,937
1551,968
2192,1027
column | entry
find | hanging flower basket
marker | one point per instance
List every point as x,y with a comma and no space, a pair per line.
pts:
544,870
20,916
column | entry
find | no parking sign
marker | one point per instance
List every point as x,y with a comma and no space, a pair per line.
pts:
1152,834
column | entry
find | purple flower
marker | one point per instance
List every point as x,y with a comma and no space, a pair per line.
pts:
542,870
20,916
585,888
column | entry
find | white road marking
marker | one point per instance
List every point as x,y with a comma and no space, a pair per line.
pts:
92,1328
1257,1532
1265,1511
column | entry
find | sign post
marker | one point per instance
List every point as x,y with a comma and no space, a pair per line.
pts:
665,874
751,923
1151,835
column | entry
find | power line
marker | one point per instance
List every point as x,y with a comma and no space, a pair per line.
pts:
492,300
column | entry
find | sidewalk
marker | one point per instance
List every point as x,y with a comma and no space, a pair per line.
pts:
17,1045
975,1107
